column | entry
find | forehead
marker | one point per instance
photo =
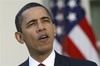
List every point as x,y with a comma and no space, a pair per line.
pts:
35,12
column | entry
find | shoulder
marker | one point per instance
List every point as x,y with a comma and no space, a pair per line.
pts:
80,62
75,62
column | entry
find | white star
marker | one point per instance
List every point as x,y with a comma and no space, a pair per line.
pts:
60,4
72,3
72,17
59,17
59,30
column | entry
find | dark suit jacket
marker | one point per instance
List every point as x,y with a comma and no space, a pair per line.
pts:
66,61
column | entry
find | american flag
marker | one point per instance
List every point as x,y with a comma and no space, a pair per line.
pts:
74,37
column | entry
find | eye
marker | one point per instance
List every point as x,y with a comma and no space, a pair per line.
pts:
30,23
46,20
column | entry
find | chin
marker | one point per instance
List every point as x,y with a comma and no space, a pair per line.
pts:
45,50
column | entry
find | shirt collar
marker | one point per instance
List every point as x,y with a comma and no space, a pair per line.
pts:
49,61
33,62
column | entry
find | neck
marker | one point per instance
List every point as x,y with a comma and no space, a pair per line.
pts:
41,56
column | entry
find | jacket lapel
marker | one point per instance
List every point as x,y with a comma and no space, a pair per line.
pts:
26,63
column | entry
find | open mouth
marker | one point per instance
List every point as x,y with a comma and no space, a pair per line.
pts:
43,37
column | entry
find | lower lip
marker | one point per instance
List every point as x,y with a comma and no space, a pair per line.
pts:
43,40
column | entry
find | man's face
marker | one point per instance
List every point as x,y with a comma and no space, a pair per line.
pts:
37,30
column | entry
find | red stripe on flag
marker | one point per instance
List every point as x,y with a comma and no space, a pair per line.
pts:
70,48
88,31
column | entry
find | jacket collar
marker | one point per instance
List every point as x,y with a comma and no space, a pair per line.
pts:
60,60
26,63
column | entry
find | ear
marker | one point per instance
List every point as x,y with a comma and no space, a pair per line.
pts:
54,29
19,37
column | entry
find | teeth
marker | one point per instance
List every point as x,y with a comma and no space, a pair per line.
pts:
43,37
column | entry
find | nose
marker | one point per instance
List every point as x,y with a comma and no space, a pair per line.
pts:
40,27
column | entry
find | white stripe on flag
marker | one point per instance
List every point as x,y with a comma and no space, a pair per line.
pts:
83,43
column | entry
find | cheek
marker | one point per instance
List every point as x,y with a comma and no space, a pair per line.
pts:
29,35
53,30
30,40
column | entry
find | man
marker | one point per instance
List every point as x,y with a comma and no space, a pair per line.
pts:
35,28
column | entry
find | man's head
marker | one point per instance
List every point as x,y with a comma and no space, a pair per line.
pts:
35,28
19,18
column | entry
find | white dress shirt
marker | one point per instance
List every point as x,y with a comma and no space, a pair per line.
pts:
49,61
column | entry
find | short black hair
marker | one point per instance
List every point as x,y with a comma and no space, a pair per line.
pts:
18,18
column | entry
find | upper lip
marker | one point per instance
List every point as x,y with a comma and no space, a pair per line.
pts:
42,36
